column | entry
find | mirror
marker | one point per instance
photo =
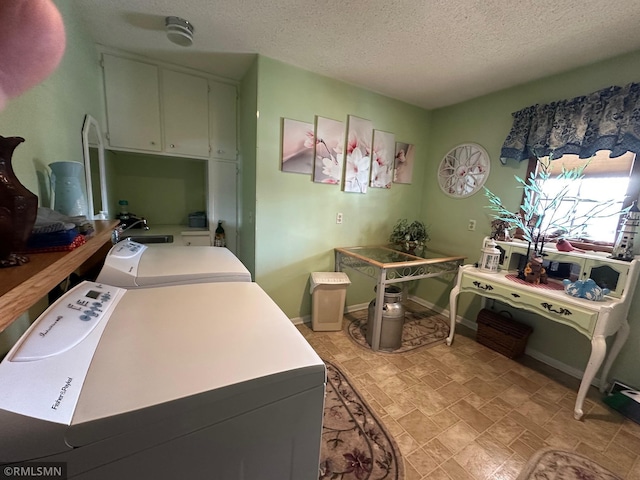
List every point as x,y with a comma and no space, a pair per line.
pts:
92,139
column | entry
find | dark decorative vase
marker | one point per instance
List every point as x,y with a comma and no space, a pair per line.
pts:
18,208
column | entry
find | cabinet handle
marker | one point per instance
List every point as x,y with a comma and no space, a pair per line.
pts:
220,151
486,286
559,310
153,143
172,145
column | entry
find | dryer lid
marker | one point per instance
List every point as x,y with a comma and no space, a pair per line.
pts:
168,343
175,265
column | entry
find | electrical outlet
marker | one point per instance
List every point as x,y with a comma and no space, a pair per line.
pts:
472,225
338,218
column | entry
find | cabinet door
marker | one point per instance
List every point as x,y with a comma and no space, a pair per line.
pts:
609,274
222,200
133,104
222,99
196,240
185,102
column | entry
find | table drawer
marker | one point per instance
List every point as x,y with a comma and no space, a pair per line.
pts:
535,300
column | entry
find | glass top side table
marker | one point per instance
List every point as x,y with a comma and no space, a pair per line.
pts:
389,266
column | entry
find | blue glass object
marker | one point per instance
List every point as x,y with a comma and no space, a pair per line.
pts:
68,188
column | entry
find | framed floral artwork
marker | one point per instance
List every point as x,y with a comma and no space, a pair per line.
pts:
297,146
382,158
405,155
329,151
358,154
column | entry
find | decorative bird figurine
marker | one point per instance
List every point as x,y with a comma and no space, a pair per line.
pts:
565,246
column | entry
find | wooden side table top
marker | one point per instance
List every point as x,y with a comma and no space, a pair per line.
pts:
23,286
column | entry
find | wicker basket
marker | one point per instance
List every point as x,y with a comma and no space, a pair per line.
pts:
501,333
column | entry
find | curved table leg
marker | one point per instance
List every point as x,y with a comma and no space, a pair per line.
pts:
453,303
621,338
598,352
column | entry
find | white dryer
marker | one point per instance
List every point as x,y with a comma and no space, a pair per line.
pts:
133,265
133,384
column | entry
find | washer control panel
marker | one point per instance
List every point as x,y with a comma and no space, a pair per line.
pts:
43,374
67,322
121,265
127,249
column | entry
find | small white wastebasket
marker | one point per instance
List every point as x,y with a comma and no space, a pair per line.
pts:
328,293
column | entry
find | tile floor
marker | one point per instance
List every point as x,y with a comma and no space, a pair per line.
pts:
467,412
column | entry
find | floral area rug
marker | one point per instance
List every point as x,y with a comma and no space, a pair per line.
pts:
355,444
422,327
554,464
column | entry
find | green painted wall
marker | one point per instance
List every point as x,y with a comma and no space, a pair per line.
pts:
487,121
295,229
248,94
164,190
50,118
50,115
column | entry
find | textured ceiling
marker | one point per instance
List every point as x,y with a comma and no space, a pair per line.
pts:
429,53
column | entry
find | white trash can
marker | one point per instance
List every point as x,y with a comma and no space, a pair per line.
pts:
328,294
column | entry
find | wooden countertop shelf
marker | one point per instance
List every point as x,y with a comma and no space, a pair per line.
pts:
23,286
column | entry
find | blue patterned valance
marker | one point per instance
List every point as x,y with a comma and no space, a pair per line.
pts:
608,119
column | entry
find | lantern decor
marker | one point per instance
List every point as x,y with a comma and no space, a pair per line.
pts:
490,258
623,248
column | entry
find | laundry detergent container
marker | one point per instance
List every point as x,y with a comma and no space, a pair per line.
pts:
328,293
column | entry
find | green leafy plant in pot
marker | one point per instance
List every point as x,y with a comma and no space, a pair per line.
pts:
409,236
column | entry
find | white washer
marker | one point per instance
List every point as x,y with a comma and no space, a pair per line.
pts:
133,265
142,383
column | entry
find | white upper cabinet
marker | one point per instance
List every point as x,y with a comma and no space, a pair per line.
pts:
155,109
186,114
133,104
222,98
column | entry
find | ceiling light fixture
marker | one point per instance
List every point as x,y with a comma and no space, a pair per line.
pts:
179,31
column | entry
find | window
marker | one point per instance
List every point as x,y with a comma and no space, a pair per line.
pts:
610,181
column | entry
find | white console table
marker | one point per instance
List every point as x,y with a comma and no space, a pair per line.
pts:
595,320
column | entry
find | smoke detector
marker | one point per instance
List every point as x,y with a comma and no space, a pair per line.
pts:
179,31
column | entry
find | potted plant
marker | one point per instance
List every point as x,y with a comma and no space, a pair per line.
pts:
409,236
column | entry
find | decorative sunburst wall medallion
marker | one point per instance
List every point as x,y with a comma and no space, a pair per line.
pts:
463,171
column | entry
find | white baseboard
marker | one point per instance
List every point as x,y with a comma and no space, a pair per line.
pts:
429,305
563,367
301,320
552,362
355,308
348,309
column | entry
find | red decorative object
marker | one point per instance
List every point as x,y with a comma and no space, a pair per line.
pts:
18,208
77,242
565,246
